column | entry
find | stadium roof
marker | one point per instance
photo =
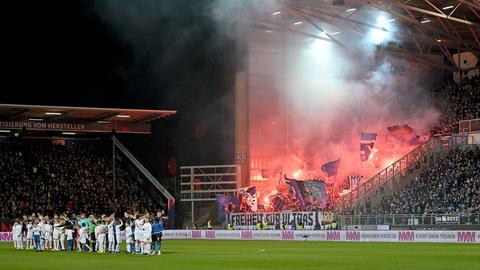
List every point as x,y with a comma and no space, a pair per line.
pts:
78,119
421,27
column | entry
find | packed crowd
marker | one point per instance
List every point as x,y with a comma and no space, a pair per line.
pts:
456,102
142,233
43,177
452,186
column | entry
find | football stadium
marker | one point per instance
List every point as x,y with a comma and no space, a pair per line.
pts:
252,134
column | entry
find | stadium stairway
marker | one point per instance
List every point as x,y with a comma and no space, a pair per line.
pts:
393,178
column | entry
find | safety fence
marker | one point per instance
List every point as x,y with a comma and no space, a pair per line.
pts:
290,235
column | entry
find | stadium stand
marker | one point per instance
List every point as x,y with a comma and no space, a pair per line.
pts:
456,101
451,186
38,176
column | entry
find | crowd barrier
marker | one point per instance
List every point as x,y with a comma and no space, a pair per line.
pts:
359,236
348,236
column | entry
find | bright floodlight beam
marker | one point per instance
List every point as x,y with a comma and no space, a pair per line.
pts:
276,12
448,7
297,23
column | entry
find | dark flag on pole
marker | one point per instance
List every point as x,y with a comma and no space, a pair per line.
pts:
331,168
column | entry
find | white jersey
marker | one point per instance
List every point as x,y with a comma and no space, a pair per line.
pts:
29,231
97,230
69,233
48,231
138,229
128,234
117,230
110,228
36,231
41,227
16,230
102,229
56,231
82,238
147,232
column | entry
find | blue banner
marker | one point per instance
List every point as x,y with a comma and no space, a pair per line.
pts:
226,204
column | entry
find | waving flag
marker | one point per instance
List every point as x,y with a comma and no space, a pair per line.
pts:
308,195
277,201
226,204
331,168
316,193
366,144
248,197
295,192
403,133
354,181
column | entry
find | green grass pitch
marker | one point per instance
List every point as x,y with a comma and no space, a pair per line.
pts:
218,254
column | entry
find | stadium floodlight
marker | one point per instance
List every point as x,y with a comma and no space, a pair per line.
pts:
297,23
36,119
123,116
68,133
425,20
382,21
439,40
448,7
351,9
276,12
4,131
53,113
380,34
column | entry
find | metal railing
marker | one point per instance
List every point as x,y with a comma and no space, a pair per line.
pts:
396,169
410,219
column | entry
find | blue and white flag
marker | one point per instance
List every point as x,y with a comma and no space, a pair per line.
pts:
248,198
366,144
354,181
458,139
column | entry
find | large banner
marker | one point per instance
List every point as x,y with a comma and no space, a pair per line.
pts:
350,236
307,195
249,220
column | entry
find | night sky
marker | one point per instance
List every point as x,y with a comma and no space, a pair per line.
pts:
127,54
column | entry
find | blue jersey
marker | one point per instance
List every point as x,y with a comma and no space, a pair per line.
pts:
157,226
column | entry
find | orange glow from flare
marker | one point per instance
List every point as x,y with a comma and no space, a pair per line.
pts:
297,173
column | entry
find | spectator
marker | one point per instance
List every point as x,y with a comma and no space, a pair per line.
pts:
47,178
452,186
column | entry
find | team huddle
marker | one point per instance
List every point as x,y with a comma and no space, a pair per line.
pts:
142,233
